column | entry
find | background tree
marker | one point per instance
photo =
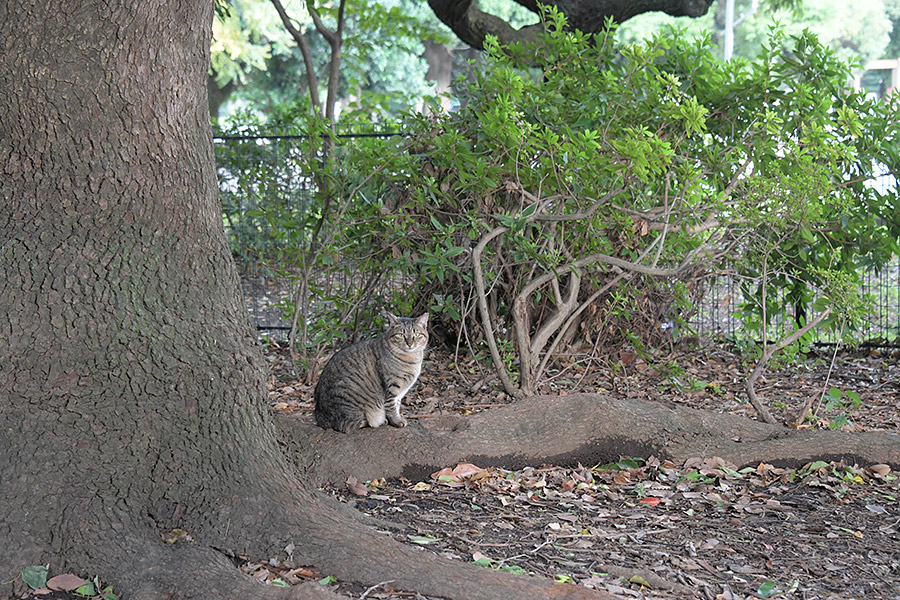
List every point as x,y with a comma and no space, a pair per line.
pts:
381,70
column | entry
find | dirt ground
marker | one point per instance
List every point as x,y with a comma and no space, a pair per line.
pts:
643,528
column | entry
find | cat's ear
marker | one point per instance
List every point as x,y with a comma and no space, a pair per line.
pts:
422,321
392,318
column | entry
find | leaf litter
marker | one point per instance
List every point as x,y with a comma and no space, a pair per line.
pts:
647,528
652,529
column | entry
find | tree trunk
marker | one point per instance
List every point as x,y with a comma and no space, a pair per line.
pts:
440,69
565,430
218,96
133,398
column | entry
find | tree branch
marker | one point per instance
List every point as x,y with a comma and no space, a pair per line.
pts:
311,79
750,384
472,25
481,299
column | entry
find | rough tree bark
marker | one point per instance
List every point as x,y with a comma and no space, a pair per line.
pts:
472,24
132,398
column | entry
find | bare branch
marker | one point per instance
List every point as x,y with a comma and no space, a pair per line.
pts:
768,352
312,80
486,324
329,35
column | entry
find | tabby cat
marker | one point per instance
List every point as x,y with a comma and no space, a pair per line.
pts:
363,383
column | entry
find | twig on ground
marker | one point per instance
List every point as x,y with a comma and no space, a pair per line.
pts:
374,587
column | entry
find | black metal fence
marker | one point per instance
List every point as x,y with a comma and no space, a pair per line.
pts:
262,176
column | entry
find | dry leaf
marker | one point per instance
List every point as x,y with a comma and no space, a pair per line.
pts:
457,474
65,582
464,470
356,487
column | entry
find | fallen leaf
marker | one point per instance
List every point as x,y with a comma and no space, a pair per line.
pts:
356,487
768,589
422,539
638,580
178,535
457,474
65,582
464,470
35,576
301,572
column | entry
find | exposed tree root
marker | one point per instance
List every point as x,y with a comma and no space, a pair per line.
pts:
151,570
338,542
586,428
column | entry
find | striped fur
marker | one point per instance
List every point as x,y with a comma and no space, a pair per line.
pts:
364,383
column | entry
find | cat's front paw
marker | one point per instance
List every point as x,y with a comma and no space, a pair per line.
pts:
398,421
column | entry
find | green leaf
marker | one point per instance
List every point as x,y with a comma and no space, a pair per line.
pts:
35,577
638,580
767,589
483,562
422,539
280,582
327,580
86,590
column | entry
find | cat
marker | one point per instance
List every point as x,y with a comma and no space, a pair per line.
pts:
363,383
